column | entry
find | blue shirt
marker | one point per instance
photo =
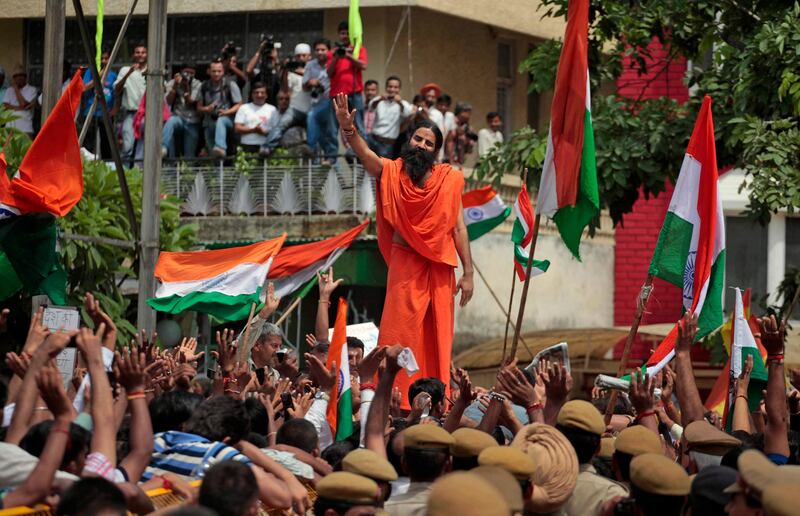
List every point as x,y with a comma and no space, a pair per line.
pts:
188,455
108,91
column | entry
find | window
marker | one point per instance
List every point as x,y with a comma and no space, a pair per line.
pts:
745,259
505,79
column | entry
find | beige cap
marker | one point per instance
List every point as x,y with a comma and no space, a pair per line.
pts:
427,437
781,499
369,464
513,460
655,474
464,493
606,447
581,415
505,483
470,442
636,440
348,487
701,436
757,472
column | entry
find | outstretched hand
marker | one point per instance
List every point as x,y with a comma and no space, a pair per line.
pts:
98,316
271,302
344,116
687,330
772,335
327,284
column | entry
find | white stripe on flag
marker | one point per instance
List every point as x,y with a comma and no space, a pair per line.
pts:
244,278
288,284
494,208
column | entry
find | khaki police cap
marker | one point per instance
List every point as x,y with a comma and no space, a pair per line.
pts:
655,474
470,442
757,472
513,460
505,483
606,447
369,464
701,436
780,499
348,487
636,440
427,437
581,415
465,493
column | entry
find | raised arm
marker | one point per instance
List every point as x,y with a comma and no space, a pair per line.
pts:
326,286
741,412
346,118
130,372
776,441
686,388
379,411
104,438
461,237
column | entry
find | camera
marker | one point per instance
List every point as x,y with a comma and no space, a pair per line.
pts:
268,41
230,49
472,136
316,91
340,50
186,79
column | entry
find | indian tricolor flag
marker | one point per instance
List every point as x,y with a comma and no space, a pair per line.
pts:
484,210
340,406
223,282
690,252
743,344
568,188
295,265
522,234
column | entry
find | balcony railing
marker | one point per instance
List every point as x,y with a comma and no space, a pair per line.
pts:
264,189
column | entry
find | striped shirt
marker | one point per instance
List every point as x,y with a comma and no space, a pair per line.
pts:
188,455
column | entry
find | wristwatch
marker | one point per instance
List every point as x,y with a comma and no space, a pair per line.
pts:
322,395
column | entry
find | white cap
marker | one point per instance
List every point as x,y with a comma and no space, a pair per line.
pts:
302,48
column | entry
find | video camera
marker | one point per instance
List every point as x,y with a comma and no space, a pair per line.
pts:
230,49
268,42
340,49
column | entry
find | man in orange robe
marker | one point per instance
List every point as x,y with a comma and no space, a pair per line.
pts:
421,235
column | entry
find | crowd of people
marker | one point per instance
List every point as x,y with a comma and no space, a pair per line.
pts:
267,103
250,432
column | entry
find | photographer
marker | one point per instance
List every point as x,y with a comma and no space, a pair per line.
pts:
390,112
300,100
183,91
230,61
219,100
264,65
462,138
321,128
344,71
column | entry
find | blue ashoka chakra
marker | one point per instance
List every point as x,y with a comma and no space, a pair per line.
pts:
688,277
341,380
475,213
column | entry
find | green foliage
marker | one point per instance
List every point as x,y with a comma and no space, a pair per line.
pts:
98,267
524,148
746,57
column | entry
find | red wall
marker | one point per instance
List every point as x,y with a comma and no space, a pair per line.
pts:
637,239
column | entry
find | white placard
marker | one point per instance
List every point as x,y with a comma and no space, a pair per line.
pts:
66,364
57,317
367,332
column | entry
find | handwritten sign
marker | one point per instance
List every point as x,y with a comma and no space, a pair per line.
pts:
57,317
366,332
66,364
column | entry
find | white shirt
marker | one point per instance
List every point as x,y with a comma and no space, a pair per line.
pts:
487,139
317,415
25,121
251,115
133,91
388,117
301,100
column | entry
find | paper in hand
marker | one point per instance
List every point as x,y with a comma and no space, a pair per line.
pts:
408,361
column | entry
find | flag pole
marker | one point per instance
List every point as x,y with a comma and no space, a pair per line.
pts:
513,284
529,266
244,349
288,310
499,304
641,304
789,310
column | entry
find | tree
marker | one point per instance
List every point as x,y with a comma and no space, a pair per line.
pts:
747,57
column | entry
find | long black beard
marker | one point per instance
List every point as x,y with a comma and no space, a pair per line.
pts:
416,162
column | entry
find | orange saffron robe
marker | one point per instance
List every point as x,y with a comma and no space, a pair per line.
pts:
420,288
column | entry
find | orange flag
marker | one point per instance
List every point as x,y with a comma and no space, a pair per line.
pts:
337,359
50,177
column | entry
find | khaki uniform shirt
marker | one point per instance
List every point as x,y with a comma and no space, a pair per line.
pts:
591,491
412,503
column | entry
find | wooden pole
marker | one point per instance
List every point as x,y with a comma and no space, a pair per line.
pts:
518,327
54,19
641,304
288,310
500,305
513,284
789,311
244,348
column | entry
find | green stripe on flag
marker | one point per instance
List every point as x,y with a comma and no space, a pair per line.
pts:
478,229
711,316
672,248
9,281
571,220
758,378
344,419
221,306
539,266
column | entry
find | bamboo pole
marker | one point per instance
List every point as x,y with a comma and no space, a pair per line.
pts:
518,327
641,304
513,284
288,310
789,311
244,348
500,305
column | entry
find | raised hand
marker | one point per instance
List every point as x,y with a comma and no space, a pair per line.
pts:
89,344
687,330
344,116
37,332
514,382
51,389
55,342
641,392
187,351
369,364
667,384
557,383
326,283
392,352
466,394
98,316
18,364
772,335
129,367
323,378
743,382
147,346
226,355
271,302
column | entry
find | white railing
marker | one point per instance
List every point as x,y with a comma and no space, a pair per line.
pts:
207,189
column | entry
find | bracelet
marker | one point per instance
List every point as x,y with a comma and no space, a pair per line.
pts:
41,409
366,386
165,483
777,358
534,406
272,433
348,132
59,430
149,391
645,414
139,396
740,396
135,393
234,391
324,302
